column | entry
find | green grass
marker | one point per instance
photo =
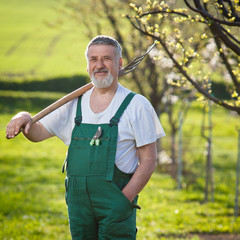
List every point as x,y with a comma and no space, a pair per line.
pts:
32,202
30,48
34,58
32,190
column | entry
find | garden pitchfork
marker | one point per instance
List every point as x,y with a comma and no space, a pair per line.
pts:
80,91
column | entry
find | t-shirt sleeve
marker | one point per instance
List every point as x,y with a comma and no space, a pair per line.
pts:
61,121
146,125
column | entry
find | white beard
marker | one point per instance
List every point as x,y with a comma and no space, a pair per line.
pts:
103,83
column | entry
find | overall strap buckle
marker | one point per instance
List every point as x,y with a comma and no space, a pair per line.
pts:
114,121
78,120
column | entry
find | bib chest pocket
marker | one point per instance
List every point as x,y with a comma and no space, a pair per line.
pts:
86,158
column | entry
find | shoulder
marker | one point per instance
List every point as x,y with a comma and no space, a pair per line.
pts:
140,105
137,99
138,102
86,95
122,91
139,109
141,101
70,106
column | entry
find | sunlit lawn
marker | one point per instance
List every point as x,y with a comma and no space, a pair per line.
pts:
37,41
32,204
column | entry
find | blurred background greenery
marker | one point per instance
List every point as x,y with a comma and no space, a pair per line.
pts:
42,47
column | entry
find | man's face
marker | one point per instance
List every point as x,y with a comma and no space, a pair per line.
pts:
103,65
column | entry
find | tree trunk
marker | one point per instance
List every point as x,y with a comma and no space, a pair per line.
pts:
209,180
179,172
237,178
173,152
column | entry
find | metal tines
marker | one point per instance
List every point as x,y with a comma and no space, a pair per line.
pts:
132,65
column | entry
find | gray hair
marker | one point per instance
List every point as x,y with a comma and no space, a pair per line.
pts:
105,40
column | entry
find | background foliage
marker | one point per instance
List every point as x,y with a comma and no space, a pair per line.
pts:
42,49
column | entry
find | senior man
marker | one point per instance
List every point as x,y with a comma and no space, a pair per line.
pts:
111,133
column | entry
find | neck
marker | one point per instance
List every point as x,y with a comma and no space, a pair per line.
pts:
102,97
107,91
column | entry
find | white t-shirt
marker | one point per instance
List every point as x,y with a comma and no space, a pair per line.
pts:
138,126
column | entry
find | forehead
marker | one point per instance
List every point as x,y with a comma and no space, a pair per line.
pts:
101,50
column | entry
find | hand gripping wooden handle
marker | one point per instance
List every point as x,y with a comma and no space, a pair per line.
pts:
80,91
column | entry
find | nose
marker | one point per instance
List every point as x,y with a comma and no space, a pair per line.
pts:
100,64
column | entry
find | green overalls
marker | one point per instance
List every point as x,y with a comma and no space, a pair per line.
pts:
97,208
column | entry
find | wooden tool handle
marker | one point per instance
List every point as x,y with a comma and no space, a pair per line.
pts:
80,91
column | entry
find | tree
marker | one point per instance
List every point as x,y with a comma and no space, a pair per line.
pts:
149,79
201,40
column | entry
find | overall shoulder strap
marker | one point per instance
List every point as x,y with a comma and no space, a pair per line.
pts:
115,119
114,136
78,118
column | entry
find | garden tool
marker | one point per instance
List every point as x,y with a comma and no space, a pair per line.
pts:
80,91
95,140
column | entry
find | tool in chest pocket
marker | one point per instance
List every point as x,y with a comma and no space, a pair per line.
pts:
95,140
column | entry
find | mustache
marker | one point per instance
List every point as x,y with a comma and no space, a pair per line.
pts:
100,70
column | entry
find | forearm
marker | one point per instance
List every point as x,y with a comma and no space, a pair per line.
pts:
22,122
148,159
138,181
37,133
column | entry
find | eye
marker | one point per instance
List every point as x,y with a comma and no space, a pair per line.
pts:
107,58
93,59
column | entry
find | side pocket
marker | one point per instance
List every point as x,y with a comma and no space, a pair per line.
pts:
66,189
134,203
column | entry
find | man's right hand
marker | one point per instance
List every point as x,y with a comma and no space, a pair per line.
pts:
20,122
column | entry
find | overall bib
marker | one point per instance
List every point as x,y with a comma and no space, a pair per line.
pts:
97,208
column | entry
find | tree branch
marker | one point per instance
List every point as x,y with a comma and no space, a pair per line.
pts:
215,27
228,65
223,34
226,13
206,15
184,73
217,30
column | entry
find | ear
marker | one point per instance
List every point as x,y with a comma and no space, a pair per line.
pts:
120,63
87,69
